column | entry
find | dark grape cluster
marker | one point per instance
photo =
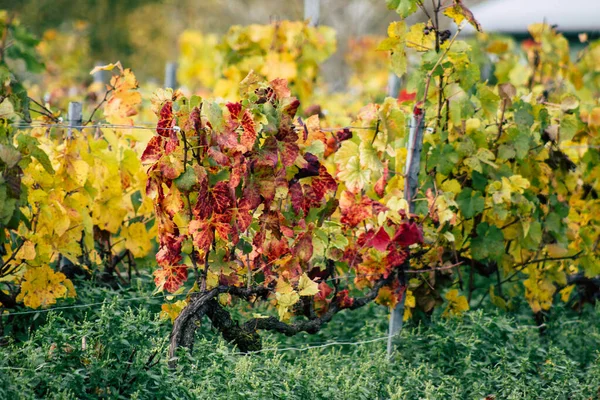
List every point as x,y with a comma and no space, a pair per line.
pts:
445,35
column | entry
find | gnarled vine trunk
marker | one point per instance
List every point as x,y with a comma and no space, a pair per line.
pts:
245,336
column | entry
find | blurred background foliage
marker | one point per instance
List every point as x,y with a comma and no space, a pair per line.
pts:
146,33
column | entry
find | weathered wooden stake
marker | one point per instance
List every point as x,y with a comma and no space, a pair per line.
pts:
100,76
75,117
171,75
312,11
411,181
393,85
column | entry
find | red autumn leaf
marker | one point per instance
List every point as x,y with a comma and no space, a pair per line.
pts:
242,218
304,247
267,155
171,277
250,197
172,143
226,140
379,241
354,213
396,257
195,119
406,96
169,252
382,181
223,226
166,120
221,197
212,200
169,168
288,152
259,240
280,87
324,183
311,167
343,299
343,134
235,109
324,291
291,107
271,221
352,256
249,134
287,139
303,197
276,248
154,150
297,197
238,170
408,233
219,157
202,234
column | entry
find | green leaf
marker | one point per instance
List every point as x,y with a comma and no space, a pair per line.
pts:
470,202
534,236
43,159
444,158
506,152
215,115
569,126
479,181
136,200
590,266
523,114
520,141
399,62
489,243
554,223
186,180
488,99
403,7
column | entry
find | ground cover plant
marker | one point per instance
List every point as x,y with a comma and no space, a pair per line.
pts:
123,355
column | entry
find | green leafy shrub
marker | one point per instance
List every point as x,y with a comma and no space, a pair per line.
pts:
125,356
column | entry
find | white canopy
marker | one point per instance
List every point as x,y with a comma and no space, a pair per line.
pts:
513,16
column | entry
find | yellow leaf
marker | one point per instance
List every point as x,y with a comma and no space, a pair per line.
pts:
78,171
283,287
27,251
594,118
409,304
172,310
555,250
306,286
284,302
452,185
108,67
457,304
42,286
565,293
279,65
137,239
354,175
418,40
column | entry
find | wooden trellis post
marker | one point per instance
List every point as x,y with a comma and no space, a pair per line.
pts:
100,76
171,75
75,117
312,11
393,85
411,182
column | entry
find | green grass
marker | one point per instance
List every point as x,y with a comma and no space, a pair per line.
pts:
480,354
